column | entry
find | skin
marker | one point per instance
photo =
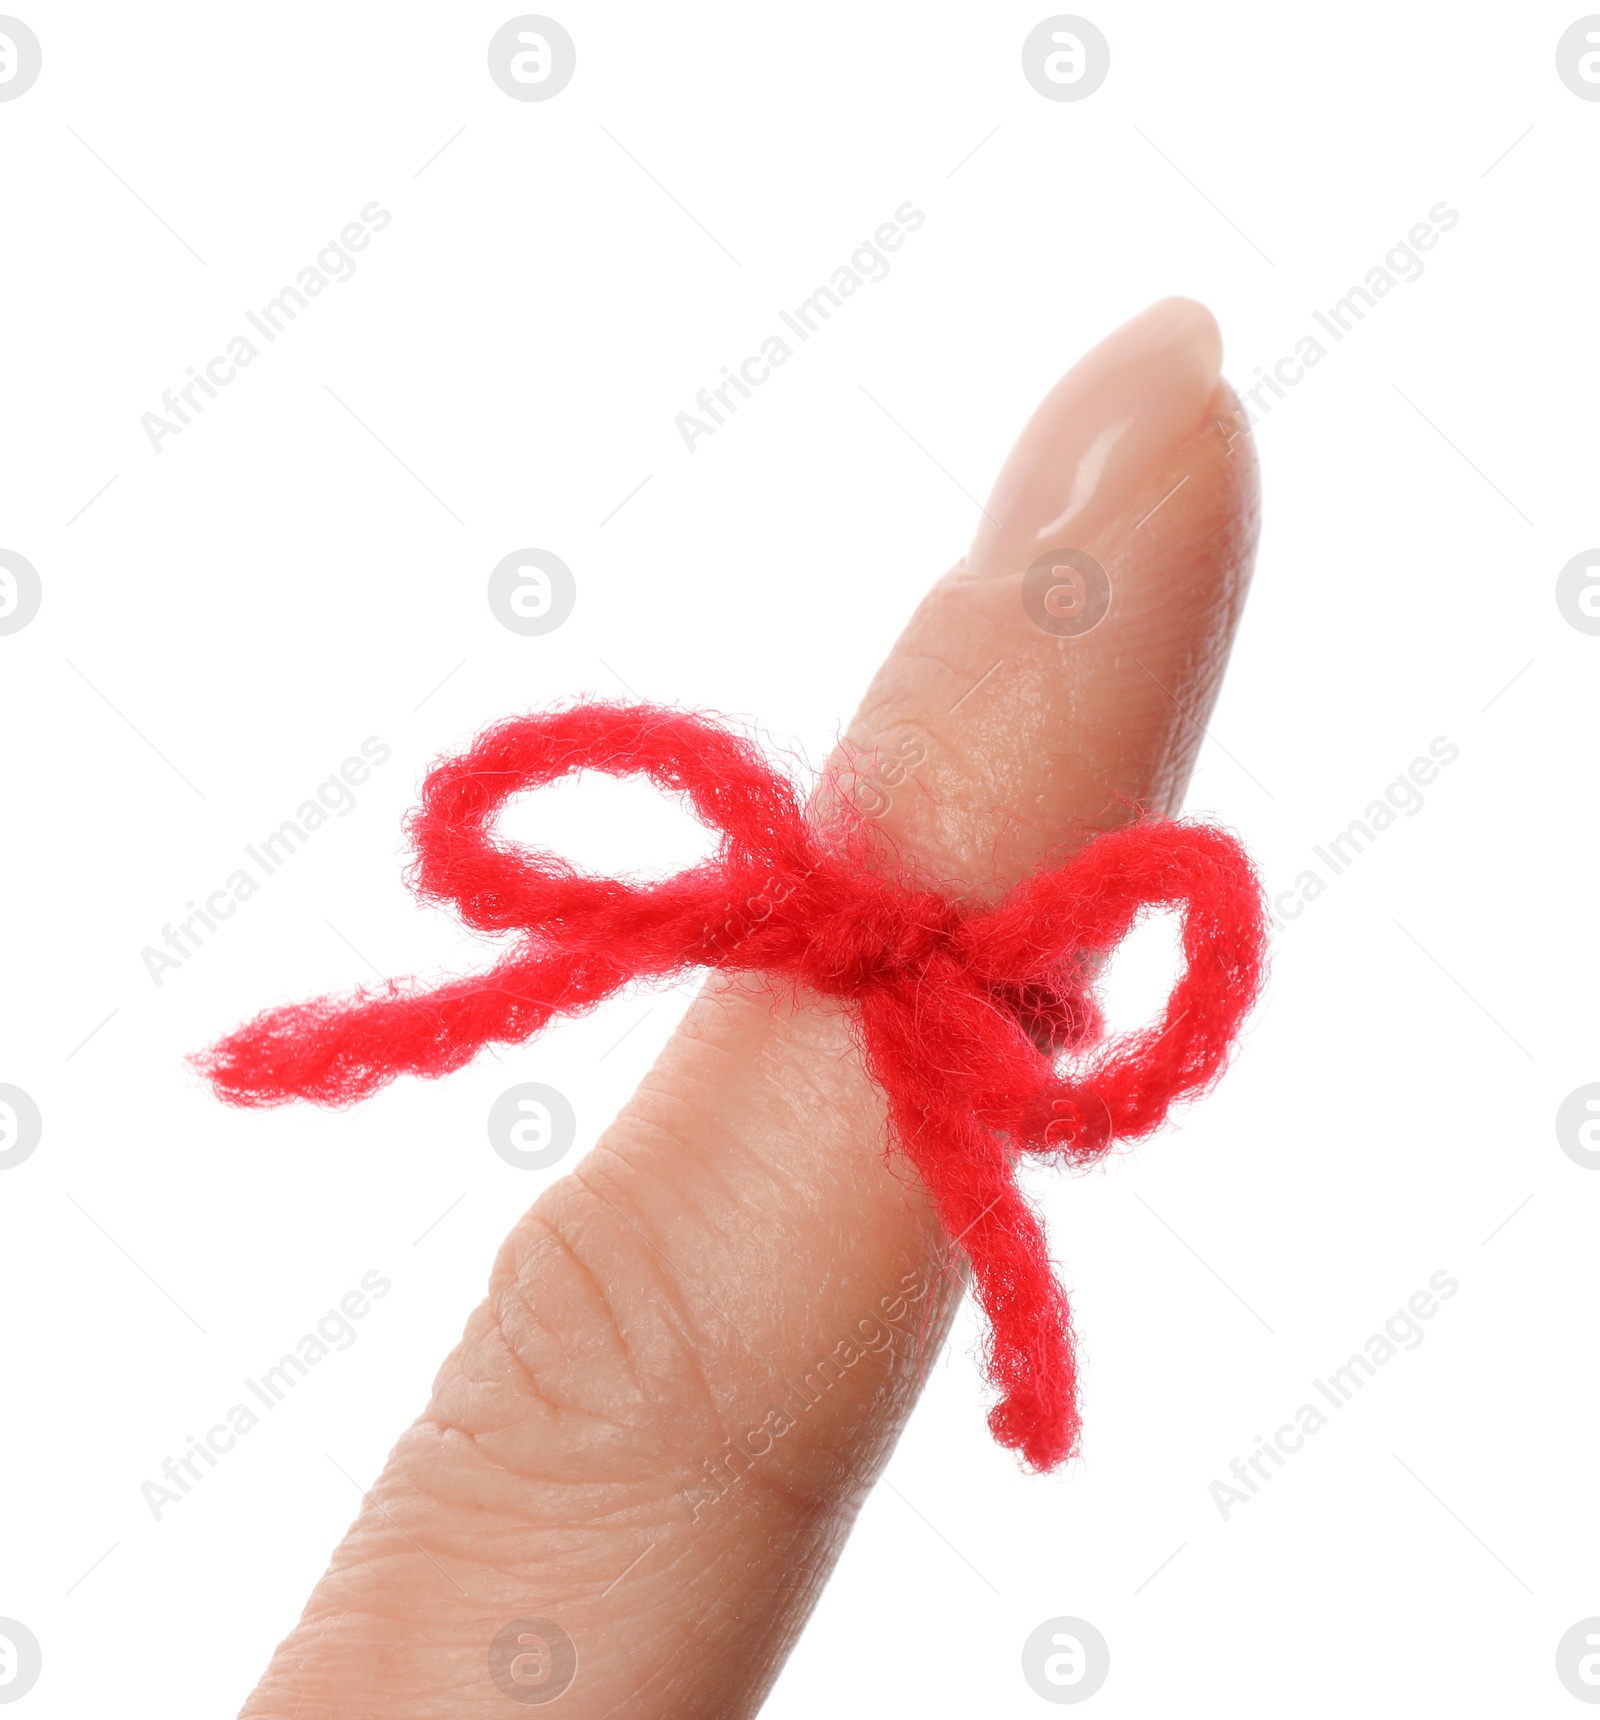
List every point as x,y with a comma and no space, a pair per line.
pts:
741,1216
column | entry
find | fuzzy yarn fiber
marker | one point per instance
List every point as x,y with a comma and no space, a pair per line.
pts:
951,1005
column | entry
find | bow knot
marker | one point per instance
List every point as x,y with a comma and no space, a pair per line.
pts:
961,1014
854,948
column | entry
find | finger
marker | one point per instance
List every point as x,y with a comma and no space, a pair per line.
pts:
698,1350
1031,739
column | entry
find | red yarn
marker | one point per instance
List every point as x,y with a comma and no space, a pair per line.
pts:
951,1004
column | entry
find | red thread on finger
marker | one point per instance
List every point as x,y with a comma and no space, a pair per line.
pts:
951,1004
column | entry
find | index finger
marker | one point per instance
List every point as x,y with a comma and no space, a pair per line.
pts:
699,1349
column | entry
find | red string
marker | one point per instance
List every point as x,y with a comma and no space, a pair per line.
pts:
951,1004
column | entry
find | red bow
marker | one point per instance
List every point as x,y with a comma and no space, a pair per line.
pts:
952,1005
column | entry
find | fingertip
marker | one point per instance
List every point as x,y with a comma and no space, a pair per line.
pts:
1123,410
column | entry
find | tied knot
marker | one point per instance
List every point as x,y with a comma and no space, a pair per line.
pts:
834,926
879,937
964,1016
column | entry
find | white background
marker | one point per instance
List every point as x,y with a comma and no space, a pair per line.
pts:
275,585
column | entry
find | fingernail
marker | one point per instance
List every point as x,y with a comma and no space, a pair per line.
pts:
1120,414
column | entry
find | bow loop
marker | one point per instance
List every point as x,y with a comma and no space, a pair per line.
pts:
495,888
1052,929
